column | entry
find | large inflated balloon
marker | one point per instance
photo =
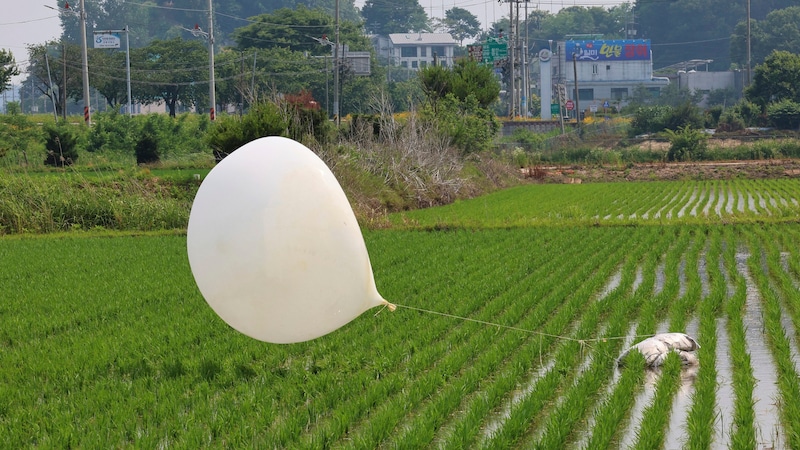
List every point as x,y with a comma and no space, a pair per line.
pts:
274,245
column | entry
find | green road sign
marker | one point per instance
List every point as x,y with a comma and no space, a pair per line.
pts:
494,50
554,108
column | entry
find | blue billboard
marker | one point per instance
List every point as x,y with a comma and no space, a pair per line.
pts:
617,50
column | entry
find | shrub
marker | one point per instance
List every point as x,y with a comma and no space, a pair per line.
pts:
683,116
147,145
686,144
17,132
231,132
470,127
61,143
784,114
730,120
712,116
750,113
305,118
528,140
112,132
649,119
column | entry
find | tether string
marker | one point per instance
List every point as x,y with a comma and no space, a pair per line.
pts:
509,327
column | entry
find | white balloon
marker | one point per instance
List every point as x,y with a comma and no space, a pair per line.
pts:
274,245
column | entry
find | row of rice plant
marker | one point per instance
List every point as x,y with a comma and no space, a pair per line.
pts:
107,343
783,350
700,202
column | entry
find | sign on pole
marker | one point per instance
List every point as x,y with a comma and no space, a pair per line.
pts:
570,105
107,40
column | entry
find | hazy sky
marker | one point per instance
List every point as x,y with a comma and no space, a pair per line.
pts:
31,22
27,22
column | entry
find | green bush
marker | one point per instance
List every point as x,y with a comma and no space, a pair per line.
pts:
470,127
683,116
17,132
527,139
649,119
61,143
147,144
750,113
730,120
784,115
113,132
231,132
686,144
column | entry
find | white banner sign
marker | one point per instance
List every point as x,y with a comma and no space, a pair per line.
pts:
106,40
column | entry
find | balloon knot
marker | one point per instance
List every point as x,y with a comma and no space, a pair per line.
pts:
391,306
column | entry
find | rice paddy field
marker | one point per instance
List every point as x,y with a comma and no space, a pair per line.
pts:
512,311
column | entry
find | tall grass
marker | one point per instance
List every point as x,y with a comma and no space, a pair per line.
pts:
69,202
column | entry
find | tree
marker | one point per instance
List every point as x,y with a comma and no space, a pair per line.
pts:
778,31
300,30
49,63
461,24
173,71
109,75
778,78
397,16
8,69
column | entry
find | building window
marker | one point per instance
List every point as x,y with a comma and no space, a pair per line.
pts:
619,93
594,69
404,64
423,52
408,52
438,50
414,64
654,91
608,66
585,94
423,64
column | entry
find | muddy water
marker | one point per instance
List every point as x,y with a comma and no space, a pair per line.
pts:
687,202
731,201
740,202
702,270
712,197
765,392
661,278
612,284
720,202
751,203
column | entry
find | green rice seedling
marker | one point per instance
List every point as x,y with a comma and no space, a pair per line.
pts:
651,431
701,417
743,433
788,377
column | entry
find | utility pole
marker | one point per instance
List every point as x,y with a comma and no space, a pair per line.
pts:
512,102
577,101
211,89
336,69
85,66
748,43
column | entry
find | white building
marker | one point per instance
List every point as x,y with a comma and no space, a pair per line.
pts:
415,50
608,71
